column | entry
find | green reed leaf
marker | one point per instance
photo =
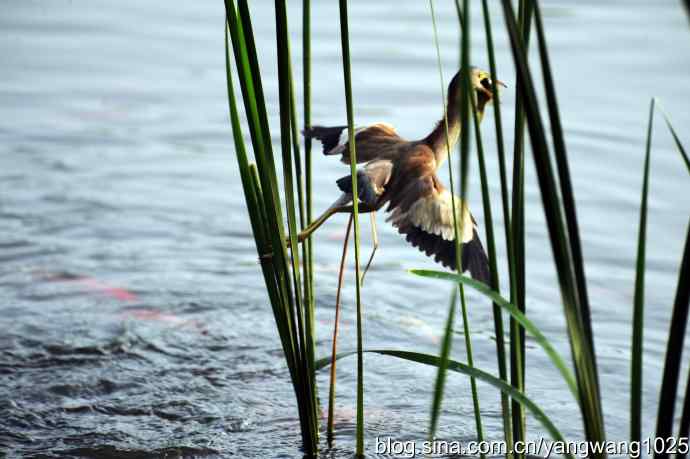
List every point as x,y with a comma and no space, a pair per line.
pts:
638,300
676,139
674,352
583,358
472,372
514,312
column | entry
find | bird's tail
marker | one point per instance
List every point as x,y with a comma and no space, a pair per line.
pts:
329,136
475,261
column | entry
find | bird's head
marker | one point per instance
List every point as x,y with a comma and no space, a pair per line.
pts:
482,86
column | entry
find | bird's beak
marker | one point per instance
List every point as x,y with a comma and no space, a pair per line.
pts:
500,83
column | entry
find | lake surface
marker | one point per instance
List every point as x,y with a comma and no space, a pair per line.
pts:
133,314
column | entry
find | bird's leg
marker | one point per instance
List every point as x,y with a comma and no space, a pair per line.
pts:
339,206
375,239
334,208
341,275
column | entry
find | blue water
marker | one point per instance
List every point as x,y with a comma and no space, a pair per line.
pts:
117,172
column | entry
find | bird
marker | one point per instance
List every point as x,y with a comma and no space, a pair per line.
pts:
403,176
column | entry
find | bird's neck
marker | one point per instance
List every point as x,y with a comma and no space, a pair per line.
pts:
441,143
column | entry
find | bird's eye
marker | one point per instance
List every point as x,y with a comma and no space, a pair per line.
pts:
486,82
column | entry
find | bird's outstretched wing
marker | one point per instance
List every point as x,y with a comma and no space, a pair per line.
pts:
422,210
377,141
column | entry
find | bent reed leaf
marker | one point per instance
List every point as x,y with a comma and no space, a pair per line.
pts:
509,307
473,372
676,139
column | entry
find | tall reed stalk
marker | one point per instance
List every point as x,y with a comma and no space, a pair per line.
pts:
517,238
306,94
447,342
488,218
345,44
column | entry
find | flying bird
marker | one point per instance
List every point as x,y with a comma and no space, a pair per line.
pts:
402,174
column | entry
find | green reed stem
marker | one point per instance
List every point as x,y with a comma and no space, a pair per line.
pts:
299,179
684,427
345,43
446,344
306,82
465,114
498,121
517,257
493,268
440,379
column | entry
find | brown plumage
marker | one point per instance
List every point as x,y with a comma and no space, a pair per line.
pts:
402,174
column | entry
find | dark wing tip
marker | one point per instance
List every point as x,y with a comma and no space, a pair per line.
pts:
431,244
474,257
475,261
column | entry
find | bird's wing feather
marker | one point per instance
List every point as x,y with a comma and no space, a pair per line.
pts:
377,141
428,206
422,210
379,172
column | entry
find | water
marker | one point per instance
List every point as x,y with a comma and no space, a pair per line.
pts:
134,318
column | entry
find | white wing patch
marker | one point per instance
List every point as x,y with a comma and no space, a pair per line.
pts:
433,215
345,136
